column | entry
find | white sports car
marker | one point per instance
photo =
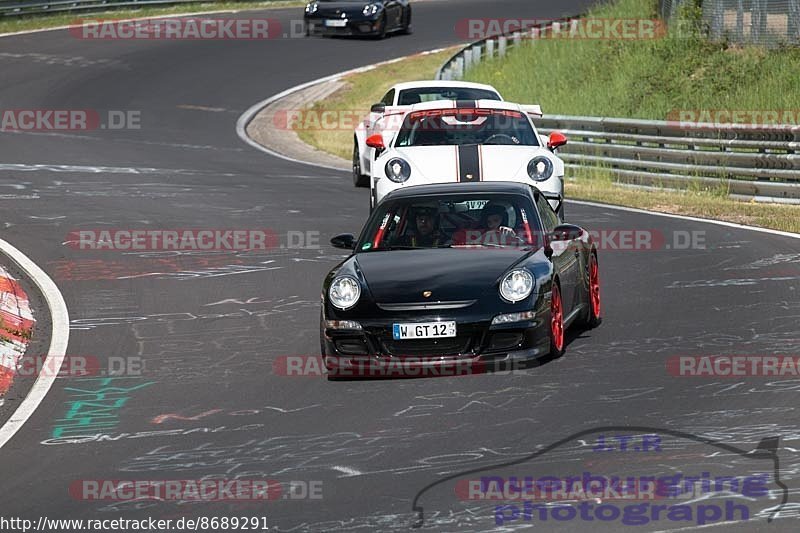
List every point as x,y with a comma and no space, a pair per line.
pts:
481,140
395,101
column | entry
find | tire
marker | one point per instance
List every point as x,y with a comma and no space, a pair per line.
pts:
407,29
359,179
593,316
556,322
382,33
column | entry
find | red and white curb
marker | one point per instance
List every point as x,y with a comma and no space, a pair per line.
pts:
16,326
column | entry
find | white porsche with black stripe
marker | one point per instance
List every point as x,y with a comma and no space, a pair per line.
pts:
467,141
385,114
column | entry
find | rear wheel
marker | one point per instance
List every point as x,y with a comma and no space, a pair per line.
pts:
556,322
359,179
592,318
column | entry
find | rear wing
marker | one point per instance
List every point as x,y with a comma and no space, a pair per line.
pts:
532,109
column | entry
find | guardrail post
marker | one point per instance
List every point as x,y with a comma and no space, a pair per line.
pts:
476,54
535,33
502,44
467,58
489,49
516,37
459,68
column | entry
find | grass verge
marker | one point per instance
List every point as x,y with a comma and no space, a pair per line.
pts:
644,78
355,98
37,22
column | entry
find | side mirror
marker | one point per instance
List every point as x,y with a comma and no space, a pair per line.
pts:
346,241
556,140
376,141
378,108
565,232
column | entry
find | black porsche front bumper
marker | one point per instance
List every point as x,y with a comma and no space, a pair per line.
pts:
478,347
316,25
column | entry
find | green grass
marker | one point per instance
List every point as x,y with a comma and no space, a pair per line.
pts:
644,78
35,22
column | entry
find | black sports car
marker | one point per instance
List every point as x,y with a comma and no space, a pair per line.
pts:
457,276
358,17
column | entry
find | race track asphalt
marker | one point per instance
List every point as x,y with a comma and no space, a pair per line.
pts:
210,326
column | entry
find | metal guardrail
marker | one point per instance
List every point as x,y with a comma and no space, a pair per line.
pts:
16,8
747,161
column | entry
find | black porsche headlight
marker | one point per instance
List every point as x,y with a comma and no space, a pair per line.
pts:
398,170
312,8
516,285
370,9
540,168
344,292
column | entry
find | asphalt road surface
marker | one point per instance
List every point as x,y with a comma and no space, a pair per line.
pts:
210,326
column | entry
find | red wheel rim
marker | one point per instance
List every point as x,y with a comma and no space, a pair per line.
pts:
594,286
556,319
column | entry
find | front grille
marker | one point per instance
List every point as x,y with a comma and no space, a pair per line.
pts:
428,347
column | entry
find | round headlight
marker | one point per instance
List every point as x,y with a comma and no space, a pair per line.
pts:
312,7
540,168
370,9
344,292
516,285
398,170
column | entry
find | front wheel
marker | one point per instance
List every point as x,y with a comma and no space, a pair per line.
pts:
407,30
381,33
359,179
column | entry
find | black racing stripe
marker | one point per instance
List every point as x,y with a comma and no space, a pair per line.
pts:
466,104
469,163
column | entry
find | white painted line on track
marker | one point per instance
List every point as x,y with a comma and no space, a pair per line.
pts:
247,116
59,339
687,217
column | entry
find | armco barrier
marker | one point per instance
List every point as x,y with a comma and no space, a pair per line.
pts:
744,160
13,8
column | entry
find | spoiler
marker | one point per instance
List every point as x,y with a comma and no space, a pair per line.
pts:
532,109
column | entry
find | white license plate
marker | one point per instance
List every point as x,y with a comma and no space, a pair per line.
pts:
336,23
424,330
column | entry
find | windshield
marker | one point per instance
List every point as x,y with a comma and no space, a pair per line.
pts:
430,94
444,221
440,127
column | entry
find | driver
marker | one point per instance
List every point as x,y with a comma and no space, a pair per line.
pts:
492,228
426,233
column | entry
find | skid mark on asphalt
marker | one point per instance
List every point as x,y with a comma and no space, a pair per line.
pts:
86,169
63,61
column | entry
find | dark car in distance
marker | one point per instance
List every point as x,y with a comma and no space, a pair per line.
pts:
477,273
357,17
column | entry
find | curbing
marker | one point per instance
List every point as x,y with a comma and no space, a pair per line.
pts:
59,339
16,327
